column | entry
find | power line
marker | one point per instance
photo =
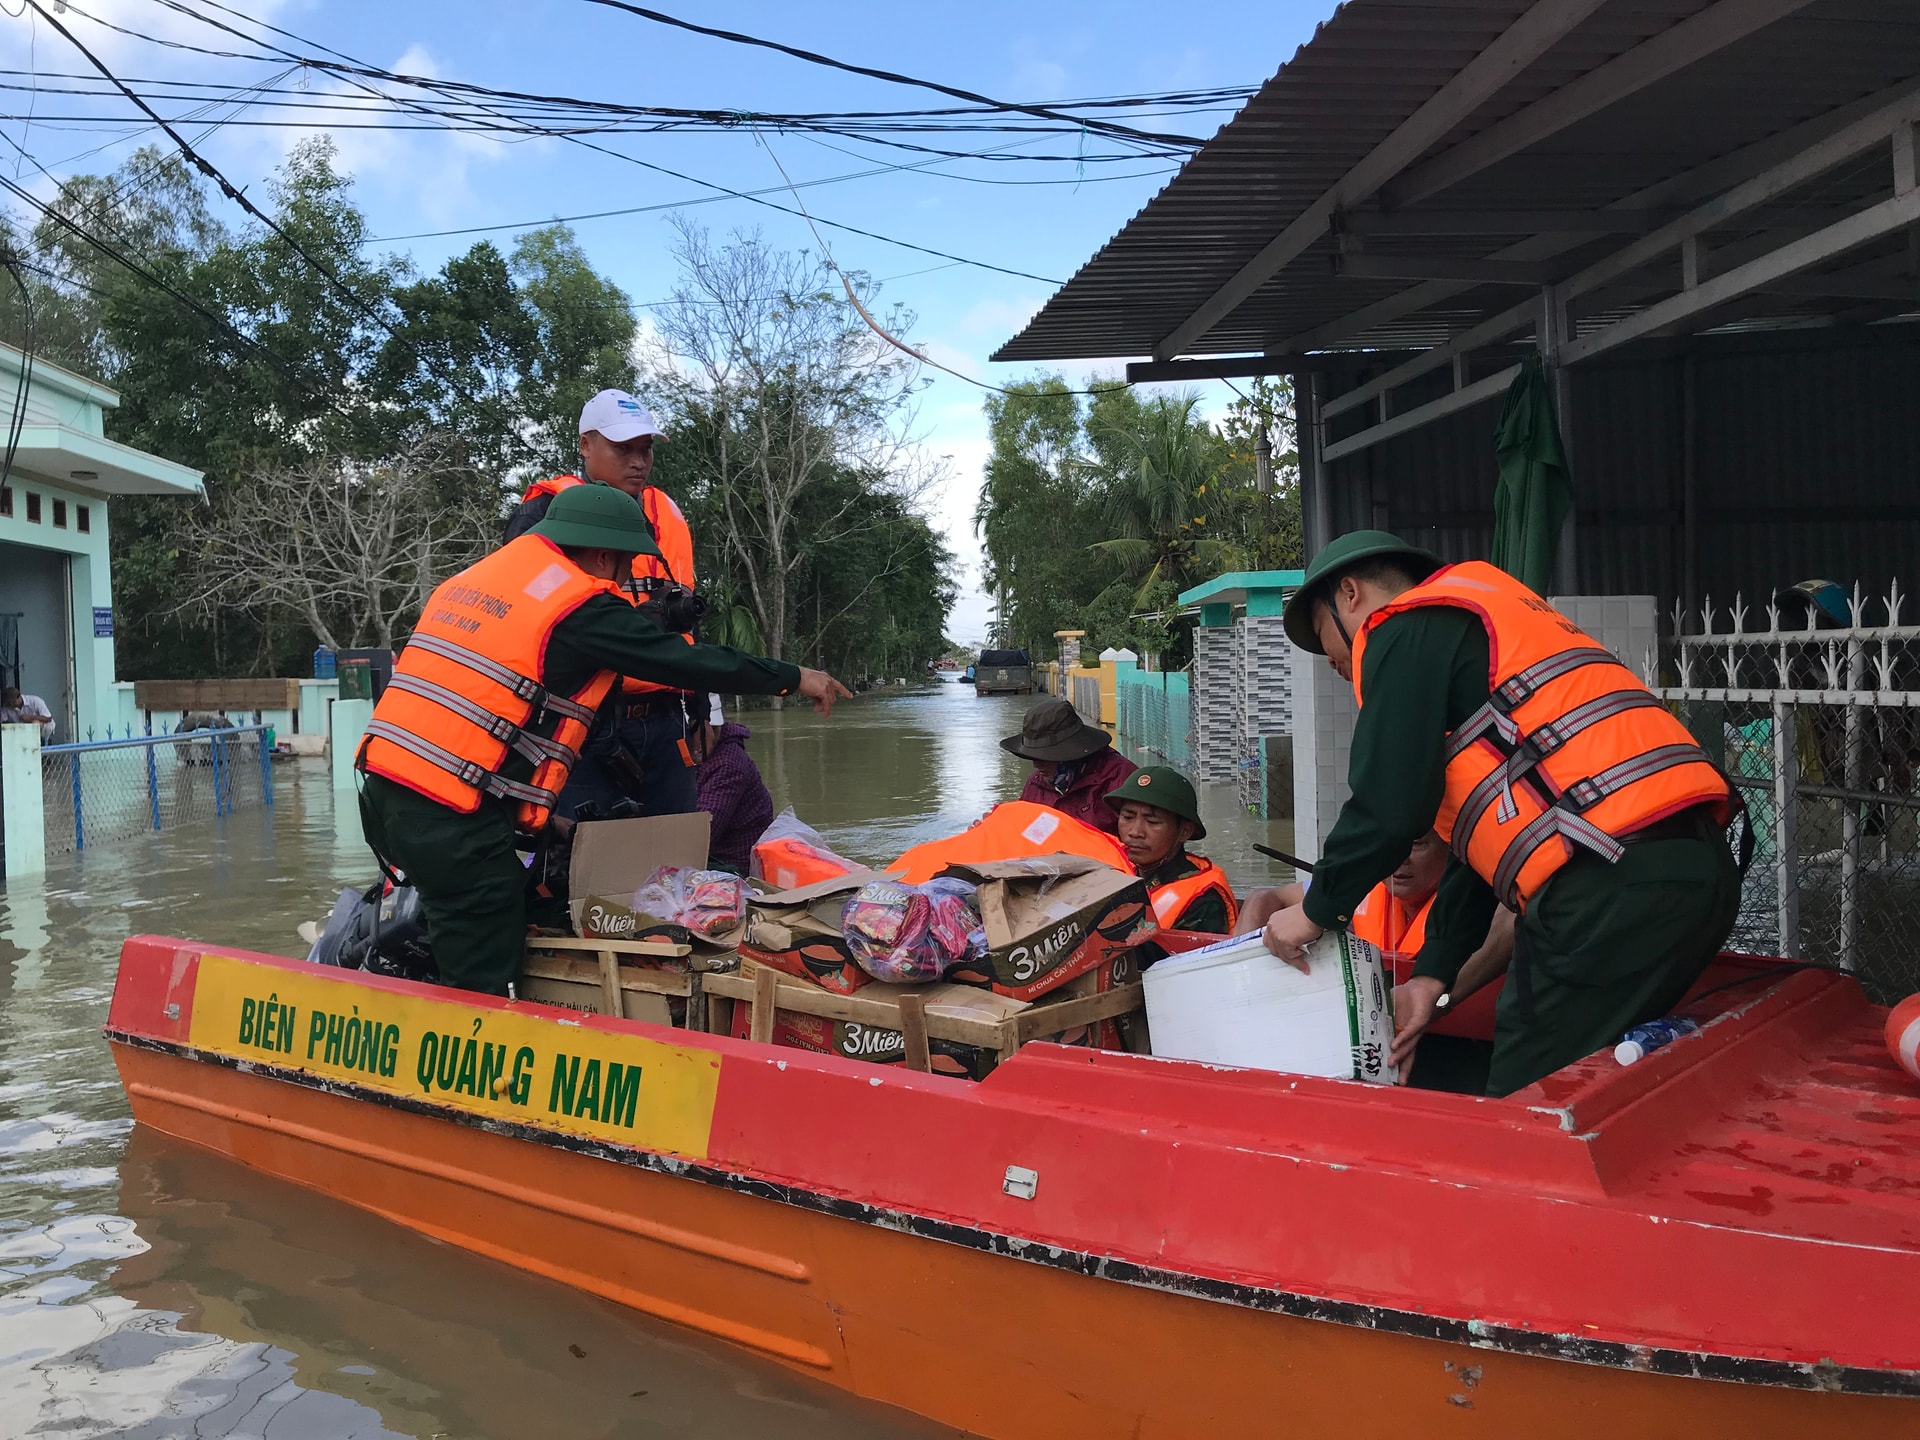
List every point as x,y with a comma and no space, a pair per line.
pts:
574,139
735,37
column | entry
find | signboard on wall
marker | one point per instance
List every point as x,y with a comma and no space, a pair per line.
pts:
103,622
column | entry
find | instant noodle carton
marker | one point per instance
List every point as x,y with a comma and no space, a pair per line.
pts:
613,859
1050,919
798,931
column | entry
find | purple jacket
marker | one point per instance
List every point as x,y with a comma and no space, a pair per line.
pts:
732,792
1086,794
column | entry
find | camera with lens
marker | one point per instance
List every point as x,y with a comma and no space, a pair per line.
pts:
672,604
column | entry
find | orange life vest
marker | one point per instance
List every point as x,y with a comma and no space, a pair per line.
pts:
1570,749
1170,901
467,685
789,864
675,561
1012,831
1387,924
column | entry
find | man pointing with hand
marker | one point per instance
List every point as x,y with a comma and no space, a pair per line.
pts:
471,742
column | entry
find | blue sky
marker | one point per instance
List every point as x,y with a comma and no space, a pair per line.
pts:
419,182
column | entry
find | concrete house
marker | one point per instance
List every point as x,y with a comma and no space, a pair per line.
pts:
56,591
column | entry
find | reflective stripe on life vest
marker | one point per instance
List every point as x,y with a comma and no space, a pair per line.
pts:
1170,901
1012,831
464,692
1571,749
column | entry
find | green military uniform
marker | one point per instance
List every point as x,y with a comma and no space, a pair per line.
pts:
473,884
1607,945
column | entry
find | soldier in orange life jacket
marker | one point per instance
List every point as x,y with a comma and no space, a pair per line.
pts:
639,749
1157,815
1564,789
470,743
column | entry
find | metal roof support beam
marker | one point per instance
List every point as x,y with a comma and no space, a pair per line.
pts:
1704,180
1544,24
1770,184
1692,40
1463,268
1426,414
1816,249
1506,324
1478,223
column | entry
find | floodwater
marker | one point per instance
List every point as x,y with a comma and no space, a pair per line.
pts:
150,1289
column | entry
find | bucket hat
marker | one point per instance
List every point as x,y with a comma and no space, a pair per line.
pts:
1053,731
1164,788
597,517
1347,550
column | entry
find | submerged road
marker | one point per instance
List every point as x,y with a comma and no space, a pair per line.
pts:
148,1289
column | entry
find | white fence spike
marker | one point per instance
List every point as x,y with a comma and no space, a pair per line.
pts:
1739,613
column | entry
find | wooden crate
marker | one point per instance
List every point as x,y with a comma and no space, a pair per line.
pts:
767,991
589,975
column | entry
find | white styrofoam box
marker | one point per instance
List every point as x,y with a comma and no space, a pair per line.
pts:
1235,1004
1628,625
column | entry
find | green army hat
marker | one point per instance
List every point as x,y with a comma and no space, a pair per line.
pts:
1164,788
597,517
1359,545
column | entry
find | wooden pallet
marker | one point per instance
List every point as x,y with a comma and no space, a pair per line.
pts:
588,975
767,990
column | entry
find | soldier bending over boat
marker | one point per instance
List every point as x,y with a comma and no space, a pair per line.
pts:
472,740
1565,790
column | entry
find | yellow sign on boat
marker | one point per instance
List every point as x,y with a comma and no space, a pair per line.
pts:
503,1064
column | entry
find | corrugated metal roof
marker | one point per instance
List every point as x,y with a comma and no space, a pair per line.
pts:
1375,63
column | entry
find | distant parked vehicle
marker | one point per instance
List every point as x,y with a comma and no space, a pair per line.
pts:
1003,672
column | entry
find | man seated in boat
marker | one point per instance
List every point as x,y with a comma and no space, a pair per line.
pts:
1565,790
471,742
1074,763
1156,814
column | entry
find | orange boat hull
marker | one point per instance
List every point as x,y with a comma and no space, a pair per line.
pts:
994,1345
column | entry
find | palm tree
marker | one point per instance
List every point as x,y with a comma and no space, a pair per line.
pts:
1160,459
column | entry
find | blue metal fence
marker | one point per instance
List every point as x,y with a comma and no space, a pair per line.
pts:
1155,714
116,788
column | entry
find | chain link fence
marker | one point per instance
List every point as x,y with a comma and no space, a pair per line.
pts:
103,790
1819,731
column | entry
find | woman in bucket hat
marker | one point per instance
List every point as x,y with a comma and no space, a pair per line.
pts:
1074,763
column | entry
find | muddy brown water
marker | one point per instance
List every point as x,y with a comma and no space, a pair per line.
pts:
148,1288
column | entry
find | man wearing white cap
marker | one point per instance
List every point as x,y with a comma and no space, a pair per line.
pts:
642,754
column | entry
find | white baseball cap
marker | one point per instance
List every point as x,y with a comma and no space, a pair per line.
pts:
618,416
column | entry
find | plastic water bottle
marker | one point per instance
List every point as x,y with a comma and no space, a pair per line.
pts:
1642,1040
323,663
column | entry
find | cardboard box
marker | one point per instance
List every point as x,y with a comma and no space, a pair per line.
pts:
613,858
798,931
1050,919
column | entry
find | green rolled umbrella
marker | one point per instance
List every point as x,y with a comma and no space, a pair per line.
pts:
1534,494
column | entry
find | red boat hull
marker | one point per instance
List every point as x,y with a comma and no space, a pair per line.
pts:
850,1222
